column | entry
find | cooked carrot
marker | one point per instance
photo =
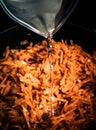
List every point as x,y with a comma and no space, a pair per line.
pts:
47,90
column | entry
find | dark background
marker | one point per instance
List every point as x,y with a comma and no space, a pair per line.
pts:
84,15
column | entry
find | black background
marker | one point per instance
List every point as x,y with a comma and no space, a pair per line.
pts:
84,15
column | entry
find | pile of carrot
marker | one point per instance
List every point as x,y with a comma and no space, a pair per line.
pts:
42,90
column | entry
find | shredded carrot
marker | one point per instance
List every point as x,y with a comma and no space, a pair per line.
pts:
42,91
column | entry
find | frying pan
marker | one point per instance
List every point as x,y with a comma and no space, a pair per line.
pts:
14,35
80,36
